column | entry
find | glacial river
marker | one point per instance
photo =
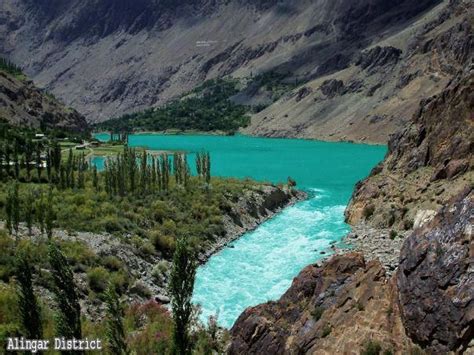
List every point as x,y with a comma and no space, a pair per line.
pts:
261,264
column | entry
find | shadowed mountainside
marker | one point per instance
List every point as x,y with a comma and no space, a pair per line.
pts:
23,104
107,58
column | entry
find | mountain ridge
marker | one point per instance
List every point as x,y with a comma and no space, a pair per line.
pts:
118,65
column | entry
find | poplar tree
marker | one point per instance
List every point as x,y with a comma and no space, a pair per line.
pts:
29,150
12,209
208,168
95,179
38,161
40,207
68,322
29,210
29,310
115,329
181,287
50,215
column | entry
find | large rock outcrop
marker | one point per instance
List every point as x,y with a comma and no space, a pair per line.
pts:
334,309
436,280
348,303
429,162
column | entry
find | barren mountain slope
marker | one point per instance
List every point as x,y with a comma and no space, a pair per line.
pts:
23,104
379,92
109,57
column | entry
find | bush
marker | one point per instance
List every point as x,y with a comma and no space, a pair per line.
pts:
371,348
160,270
139,288
120,280
112,263
393,234
326,331
317,313
164,243
98,279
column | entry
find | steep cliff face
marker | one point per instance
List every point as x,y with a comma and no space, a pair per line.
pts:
436,280
23,104
348,306
106,58
335,309
428,162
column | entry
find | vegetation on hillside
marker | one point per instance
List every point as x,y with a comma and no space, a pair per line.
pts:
206,108
11,68
148,202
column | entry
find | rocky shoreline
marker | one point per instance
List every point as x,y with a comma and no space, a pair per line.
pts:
250,211
377,244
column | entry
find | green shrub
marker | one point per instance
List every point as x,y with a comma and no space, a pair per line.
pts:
317,313
120,280
393,234
164,243
371,348
112,263
98,278
139,288
326,331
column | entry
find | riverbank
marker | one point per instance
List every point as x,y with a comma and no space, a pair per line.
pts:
145,272
251,210
377,244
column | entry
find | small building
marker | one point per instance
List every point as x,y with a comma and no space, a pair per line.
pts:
39,135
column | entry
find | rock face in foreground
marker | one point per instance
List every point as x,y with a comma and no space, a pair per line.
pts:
23,104
339,307
334,309
436,280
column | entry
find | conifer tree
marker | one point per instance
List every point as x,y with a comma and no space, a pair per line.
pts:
29,310
68,322
115,330
181,286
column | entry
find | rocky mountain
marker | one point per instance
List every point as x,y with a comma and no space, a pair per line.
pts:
349,306
379,87
364,63
428,162
23,104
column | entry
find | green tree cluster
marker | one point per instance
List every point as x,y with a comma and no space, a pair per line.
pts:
207,108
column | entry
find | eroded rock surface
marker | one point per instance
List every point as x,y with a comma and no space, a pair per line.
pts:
333,309
429,161
436,280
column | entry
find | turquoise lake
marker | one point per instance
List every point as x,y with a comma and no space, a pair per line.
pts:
261,265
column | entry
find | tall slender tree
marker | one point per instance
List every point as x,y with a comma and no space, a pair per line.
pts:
68,322
29,309
115,330
181,287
